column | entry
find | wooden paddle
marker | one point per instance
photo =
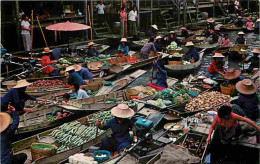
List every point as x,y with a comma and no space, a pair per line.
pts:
46,44
32,36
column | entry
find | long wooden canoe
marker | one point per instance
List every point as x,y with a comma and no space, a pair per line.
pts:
230,28
207,46
181,70
24,144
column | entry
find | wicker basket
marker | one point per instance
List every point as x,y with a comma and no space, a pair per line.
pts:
115,69
40,153
122,82
95,65
131,92
175,63
95,84
228,90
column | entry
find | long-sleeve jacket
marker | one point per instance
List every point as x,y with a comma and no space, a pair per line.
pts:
147,48
85,74
93,52
160,76
213,68
75,78
159,46
241,41
6,142
16,99
225,42
250,105
124,48
193,53
47,61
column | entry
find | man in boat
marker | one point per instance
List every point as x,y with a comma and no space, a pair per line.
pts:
92,51
17,97
241,39
160,76
8,126
123,49
225,42
120,126
147,48
239,22
74,77
48,64
216,66
172,38
193,54
56,53
253,60
159,44
152,31
83,72
184,32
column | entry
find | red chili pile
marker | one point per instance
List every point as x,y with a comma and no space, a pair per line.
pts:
46,83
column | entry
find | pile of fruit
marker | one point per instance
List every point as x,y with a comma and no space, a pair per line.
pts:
46,84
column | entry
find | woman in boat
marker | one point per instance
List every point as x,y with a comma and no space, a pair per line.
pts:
227,131
253,60
147,48
92,51
216,66
74,77
241,39
17,97
80,93
233,76
152,31
184,32
48,64
159,44
123,49
249,24
239,22
120,125
225,42
8,126
215,35
211,23
193,54
83,72
172,38
160,76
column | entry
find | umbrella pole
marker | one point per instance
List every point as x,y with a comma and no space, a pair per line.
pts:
42,31
32,35
90,23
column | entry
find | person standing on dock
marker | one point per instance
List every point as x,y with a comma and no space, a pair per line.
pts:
25,32
237,6
132,17
147,48
101,14
123,21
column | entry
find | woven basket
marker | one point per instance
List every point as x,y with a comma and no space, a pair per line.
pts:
131,92
95,65
40,153
113,61
175,63
152,54
122,60
122,82
115,69
95,84
228,90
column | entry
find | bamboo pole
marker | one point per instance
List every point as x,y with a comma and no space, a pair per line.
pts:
46,44
32,35
90,24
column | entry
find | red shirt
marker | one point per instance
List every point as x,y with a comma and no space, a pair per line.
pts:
226,123
46,61
213,68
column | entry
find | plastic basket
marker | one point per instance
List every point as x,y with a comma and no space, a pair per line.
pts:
101,159
131,59
44,152
228,90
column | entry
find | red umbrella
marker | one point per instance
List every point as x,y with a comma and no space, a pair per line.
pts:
67,26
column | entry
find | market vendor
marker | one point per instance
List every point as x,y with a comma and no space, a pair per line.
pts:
233,76
215,35
159,44
211,23
216,66
249,24
123,48
227,131
248,100
56,53
184,32
83,72
147,48
48,64
241,39
225,42
80,93
192,53
172,38
17,97
160,76
8,126
120,126
152,31
253,60
239,22
256,26
74,77
92,51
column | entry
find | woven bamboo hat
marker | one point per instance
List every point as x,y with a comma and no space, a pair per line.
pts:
256,50
158,37
189,44
232,73
21,84
210,20
183,28
67,11
69,68
122,111
218,55
123,40
46,50
77,67
172,32
154,26
5,121
90,44
9,83
241,33
246,87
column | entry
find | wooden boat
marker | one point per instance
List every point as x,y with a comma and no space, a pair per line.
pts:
121,83
230,28
223,50
24,144
181,70
100,47
196,32
206,46
140,43
248,30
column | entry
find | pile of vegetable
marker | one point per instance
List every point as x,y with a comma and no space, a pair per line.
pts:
173,46
207,100
64,61
46,84
176,55
75,134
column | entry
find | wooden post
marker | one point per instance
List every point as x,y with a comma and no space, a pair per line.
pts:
46,44
32,35
151,11
214,3
18,26
86,17
55,33
179,10
184,13
197,8
90,24
138,10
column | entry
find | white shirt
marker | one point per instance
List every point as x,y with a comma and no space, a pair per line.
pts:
100,8
81,94
237,4
25,25
132,15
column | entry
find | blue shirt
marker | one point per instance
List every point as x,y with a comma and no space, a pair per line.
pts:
56,53
6,142
250,105
159,46
120,131
75,78
16,99
125,48
85,74
193,53
240,41
173,39
160,76
93,52
147,48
